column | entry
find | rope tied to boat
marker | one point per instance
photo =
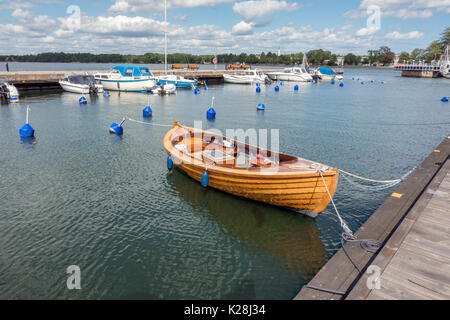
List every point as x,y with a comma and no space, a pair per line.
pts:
347,234
151,124
369,245
385,184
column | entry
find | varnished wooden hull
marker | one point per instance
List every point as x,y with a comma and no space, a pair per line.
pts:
297,189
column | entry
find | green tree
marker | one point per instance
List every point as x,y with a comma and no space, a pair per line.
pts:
433,51
403,57
417,54
445,37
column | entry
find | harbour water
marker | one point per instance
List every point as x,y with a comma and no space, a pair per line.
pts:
76,195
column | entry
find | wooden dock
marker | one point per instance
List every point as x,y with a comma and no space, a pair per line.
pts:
415,262
413,225
41,80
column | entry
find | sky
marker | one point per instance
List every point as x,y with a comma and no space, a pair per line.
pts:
227,26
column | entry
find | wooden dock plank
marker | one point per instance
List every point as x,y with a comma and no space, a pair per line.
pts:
339,274
420,265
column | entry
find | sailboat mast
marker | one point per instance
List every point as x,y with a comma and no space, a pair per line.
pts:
165,36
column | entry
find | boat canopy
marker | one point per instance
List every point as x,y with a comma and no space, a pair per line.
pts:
133,71
327,71
81,79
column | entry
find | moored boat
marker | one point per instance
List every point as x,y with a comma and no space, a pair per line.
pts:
82,84
127,78
251,172
327,74
296,74
246,77
445,63
164,89
8,91
178,81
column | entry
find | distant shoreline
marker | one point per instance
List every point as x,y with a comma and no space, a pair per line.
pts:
206,64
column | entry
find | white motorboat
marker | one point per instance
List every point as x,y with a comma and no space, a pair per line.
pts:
8,91
127,78
246,77
83,84
178,81
327,74
297,74
164,89
445,63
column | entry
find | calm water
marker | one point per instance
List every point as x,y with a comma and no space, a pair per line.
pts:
77,195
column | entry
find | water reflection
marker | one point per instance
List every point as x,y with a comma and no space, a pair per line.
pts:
294,242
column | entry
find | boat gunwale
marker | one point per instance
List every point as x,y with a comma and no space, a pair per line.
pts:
257,172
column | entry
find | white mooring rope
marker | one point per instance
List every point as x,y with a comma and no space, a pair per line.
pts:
151,124
348,234
385,184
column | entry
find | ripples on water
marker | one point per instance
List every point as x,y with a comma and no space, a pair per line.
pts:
78,195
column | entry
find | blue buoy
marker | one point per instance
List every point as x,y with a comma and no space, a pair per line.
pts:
211,113
313,81
117,128
362,82
341,84
353,78
382,82
444,99
106,94
82,100
205,178
258,84
261,106
26,131
169,163
277,88
258,89
206,87
296,87
281,83
371,81
358,79
147,112
332,82
196,91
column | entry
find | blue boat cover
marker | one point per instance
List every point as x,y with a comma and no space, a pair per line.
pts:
327,71
133,71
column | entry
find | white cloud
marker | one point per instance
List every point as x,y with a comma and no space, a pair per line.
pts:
242,28
123,26
408,13
403,9
395,35
139,6
24,4
367,31
32,22
261,11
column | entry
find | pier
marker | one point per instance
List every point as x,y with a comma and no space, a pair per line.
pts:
43,80
413,225
419,70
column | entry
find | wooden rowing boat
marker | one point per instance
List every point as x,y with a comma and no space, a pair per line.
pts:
251,172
